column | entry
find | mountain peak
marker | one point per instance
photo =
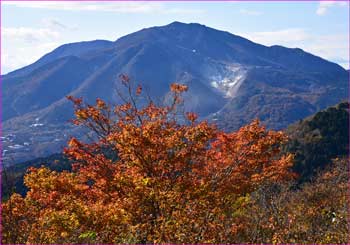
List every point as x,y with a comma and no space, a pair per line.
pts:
232,80
179,24
176,23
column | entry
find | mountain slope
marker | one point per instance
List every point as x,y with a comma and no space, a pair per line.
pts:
315,141
232,81
71,49
319,138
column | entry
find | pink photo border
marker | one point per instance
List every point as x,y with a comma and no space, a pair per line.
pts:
184,1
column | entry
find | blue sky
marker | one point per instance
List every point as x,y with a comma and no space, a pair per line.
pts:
31,29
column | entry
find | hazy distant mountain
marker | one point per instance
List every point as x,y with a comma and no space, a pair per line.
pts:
232,80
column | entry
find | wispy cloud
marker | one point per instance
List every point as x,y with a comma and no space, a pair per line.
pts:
16,57
250,12
333,47
29,34
289,36
24,45
324,6
117,7
55,24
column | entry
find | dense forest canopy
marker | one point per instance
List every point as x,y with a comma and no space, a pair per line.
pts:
316,140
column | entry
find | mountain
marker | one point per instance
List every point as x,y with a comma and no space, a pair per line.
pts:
317,139
315,142
231,79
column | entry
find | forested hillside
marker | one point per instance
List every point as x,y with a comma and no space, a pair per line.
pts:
151,177
314,141
318,139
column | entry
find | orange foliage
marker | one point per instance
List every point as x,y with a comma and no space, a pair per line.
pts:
147,179
315,213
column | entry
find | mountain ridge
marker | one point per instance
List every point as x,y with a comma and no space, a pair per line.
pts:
232,80
108,43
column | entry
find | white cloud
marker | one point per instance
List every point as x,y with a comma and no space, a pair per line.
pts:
13,57
285,36
323,6
331,47
117,7
29,34
250,12
53,23
22,46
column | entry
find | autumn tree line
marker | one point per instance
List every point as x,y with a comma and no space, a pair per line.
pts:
152,176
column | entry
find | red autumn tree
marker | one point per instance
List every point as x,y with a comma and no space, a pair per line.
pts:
147,178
